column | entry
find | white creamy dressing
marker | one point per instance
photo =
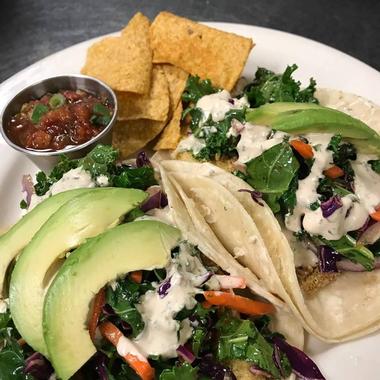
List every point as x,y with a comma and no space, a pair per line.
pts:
255,140
355,208
303,256
307,187
164,215
191,144
125,346
337,224
218,104
366,183
162,334
4,305
73,179
215,106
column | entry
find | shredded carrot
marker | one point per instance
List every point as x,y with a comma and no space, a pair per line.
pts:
21,342
136,276
206,305
305,150
334,172
376,215
142,368
100,300
241,304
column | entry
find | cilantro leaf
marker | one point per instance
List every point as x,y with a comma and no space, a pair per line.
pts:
268,87
184,372
196,88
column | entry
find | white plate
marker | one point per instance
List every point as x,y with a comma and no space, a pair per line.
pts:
274,50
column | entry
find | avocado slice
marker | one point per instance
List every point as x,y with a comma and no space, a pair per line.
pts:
84,216
144,244
12,242
300,118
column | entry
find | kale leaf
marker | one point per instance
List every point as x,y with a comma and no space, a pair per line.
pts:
5,318
123,298
196,88
12,359
100,161
241,340
215,134
183,371
268,87
343,152
136,178
44,181
347,247
375,165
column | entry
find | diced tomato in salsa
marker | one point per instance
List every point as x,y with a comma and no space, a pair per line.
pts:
56,121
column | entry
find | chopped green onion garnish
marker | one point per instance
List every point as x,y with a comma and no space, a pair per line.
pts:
57,100
38,111
23,204
102,114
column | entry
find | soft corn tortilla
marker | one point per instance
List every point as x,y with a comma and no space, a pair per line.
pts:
194,228
343,310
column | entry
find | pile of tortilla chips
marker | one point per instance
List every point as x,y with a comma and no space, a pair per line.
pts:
148,66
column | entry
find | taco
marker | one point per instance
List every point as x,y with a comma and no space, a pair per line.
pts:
309,176
129,282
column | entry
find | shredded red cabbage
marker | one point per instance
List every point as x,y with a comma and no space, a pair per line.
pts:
164,287
27,187
142,160
259,372
185,354
157,200
255,195
203,278
214,370
108,311
302,365
350,266
38,366
277,360
331,205
100,365
327,259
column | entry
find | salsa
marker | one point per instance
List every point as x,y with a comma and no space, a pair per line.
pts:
59,120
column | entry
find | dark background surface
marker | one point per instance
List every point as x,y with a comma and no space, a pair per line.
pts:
33,29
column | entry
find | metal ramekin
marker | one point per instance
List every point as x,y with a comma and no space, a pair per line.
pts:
46,160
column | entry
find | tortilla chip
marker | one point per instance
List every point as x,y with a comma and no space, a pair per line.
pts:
124,63
172,133
177,79
154,106
132,135
198,49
